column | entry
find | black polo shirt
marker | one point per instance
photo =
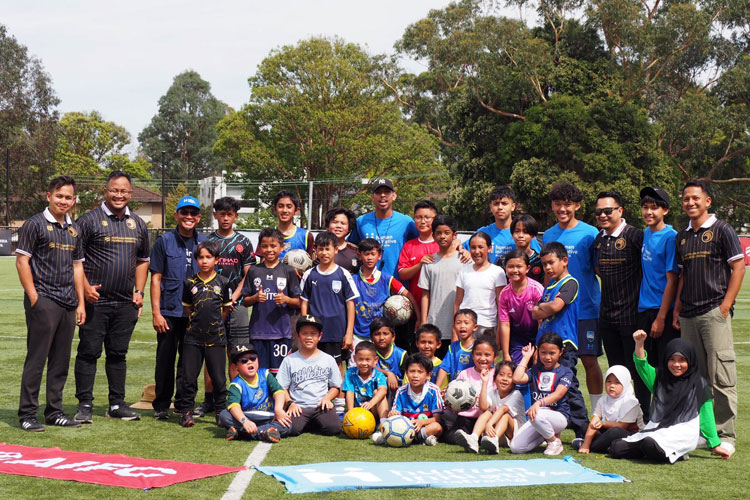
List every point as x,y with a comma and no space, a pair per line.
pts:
52,248
703,257
112,246
235,254
618,258
206,298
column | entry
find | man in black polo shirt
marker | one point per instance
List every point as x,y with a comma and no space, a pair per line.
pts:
712,267
49,263
116,248
618,264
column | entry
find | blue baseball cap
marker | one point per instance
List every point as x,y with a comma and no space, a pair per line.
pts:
188,201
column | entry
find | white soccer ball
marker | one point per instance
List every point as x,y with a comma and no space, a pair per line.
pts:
298,259
397,431
460,395
397,309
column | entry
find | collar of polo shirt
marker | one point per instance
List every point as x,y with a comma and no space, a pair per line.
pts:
51,218
617,231
109,212
709,222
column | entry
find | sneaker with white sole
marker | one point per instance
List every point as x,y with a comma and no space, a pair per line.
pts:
431,441
554,448
576,443
729,447
123,412
85,414
490,444
377,438
31,425
470,442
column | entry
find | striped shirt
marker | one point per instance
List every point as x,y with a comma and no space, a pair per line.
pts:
704,257
52,248
112,246
235,255
618,258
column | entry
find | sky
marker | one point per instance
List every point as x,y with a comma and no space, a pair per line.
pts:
118,58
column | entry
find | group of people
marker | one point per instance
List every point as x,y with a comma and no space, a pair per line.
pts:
508,315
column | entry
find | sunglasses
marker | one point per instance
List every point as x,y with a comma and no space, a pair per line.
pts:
244,361
191,213
607,211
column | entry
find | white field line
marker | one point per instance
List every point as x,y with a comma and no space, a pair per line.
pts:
242,480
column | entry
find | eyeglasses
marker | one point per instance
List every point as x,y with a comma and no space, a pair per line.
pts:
244,361
189,213
607,211
121,192
425,218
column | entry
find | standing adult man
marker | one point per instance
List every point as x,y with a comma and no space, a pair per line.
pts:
116,248
710,257
49,263
172,262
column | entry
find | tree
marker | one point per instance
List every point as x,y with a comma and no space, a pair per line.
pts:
319,111
28,119
185,129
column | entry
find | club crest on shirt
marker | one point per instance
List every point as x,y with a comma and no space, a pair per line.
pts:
336,286
49,227
280,283
130,223
546,381
72,231
239,248
354,262
105,223
257,282
217,289
194,290
620,243
682,242
707,236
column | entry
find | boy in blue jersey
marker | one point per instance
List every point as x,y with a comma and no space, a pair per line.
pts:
390,356
420,401
255,408
364,386
558,313
459,356
502,203
374,287
660,273
286,205
578,239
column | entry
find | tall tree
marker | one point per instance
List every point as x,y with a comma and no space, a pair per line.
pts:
185,129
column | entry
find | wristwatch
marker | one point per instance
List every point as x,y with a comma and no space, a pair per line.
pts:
244,419
140,292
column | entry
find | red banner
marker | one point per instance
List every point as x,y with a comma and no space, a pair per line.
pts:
107,470
745,242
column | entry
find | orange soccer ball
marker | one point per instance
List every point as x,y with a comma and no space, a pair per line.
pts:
358,423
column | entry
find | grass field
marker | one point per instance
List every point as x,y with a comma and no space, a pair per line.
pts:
703,476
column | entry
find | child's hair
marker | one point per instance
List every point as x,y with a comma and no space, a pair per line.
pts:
325,238
556,248
381,322
286,194
60,181
227,203
365,345
425,204
696,183
341,211
659,203
610,194
517,254
530,225
485,339
368,244
429,329
563,191
210,246
466,312
551,338
509,364
484,236
419,359
270,232
444,220
501,192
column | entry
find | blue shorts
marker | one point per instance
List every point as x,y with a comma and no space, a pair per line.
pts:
271,352
589,339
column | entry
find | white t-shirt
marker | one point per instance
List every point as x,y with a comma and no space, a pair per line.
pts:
479,291
514,402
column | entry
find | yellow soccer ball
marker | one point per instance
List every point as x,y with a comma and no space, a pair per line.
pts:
358,423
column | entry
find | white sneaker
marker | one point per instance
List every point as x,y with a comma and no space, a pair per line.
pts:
377,438
470,442
554,448
729,447
491,445
431,441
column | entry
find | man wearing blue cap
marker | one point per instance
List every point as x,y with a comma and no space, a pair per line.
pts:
172,261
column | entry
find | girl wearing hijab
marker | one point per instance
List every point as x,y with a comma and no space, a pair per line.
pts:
617,415
681,407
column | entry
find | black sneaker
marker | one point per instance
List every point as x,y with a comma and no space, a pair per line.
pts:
187,419
203,410
61,420
31,425
232,434
123,412
85,414
161,414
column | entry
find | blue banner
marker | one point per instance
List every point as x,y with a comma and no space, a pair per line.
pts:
480,474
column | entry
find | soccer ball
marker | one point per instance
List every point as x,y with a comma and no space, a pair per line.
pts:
397,309
298,259
397,431
460,395
358,423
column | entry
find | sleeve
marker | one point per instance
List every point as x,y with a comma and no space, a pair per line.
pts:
380,379
436,404
670,259
402,363
234,396
565,378
465,244
397,404
282,376
568,291
593,256
535,245
462,375
447,363
460,279
142,253
273,384
292,283
424,278
247,255
730,243
708,424
334,379
645,371
156,264
396,287
411,230
187,295
78,254
354,237
515,404
677,251
84,233
350,291
502,307
501,279
403,257
304,288
348,386
598,410
248,288
27,237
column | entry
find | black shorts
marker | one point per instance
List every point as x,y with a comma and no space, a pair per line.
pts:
271,352
335,350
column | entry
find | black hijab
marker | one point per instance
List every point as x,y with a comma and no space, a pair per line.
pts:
678,399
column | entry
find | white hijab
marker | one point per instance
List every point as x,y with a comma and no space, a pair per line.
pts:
615,409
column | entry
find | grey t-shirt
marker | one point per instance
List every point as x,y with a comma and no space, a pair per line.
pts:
439,278
308,379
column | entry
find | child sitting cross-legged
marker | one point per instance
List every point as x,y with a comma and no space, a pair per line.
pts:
364,386
255,408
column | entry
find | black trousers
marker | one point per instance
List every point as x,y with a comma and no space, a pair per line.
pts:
192,365
619,346
603,439
315,419
579,415
50,329
110,326
169,347
645,448
465,424
655,347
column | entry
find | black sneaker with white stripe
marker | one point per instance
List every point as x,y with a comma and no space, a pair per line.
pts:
85,414
31,425
61,420
123,412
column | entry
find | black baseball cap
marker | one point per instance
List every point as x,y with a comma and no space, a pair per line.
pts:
309,319
655,193
241,349
382,182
